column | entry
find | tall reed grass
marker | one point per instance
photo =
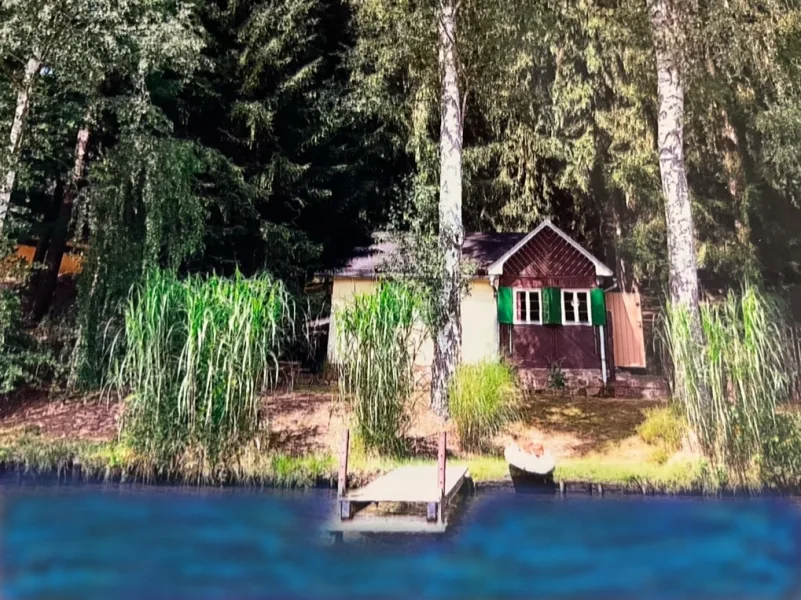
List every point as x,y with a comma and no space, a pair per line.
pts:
483,398
194,357
730,388
376,335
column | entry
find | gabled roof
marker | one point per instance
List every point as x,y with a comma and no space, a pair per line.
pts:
496,268
489,251
482,248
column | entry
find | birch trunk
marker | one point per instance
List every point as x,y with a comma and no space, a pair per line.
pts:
448,337
678,209
60,232
15,139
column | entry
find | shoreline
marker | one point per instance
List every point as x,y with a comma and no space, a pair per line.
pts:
74,472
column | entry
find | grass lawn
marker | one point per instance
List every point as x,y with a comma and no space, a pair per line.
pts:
592,439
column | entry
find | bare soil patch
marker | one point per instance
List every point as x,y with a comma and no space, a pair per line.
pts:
309,419
59,416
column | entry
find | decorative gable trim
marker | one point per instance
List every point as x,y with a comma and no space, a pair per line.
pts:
601,270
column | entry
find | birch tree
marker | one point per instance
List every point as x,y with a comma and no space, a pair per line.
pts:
78,42
683,270
418,69
448,336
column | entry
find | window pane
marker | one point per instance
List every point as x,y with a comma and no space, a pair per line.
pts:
583,307
570,311
521,306
534,306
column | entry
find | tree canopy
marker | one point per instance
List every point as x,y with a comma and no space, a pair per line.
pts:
276,136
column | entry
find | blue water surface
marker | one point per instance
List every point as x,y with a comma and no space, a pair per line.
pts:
104,541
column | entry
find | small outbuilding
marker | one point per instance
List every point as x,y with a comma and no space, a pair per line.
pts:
538,299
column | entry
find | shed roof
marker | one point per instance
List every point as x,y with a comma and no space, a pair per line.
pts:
496,268
488,250
483,248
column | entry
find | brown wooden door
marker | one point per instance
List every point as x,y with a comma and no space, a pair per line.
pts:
627,333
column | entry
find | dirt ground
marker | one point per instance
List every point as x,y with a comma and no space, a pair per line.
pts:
309,419
59,415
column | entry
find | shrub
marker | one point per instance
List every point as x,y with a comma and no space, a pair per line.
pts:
19,356
556,377
780,460
195,355
483,398
729,389
376,362
663,427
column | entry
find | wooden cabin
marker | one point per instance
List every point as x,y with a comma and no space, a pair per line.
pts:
537,299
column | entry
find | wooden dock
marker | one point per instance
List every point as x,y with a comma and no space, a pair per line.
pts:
432,486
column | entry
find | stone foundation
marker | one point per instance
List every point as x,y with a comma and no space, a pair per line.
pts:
588,382
580,382
646,387
577,382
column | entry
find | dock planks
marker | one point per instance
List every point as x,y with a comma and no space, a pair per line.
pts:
410,484
387,524
432,486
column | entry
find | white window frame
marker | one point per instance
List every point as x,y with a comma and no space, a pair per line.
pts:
527,291
586,292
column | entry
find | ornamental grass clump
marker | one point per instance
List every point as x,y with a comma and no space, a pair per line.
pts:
376,352
484,398
730,388
194,356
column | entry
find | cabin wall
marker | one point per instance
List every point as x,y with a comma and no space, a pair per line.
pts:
540,346
71,263
479,321
548,260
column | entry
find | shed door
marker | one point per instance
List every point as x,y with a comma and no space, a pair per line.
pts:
627,332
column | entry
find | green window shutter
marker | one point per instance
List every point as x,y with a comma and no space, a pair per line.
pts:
506,305
551,306
598,306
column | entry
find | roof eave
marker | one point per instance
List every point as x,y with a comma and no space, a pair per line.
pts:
601,270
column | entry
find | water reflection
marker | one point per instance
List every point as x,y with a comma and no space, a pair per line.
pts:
116,541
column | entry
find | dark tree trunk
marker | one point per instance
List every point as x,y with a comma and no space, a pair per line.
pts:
47,228
60,231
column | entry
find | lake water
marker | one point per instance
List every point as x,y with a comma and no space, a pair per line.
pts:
118,541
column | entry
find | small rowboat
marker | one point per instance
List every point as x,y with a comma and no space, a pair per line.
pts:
528,470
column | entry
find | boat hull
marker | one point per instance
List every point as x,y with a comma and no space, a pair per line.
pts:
525,482
530,473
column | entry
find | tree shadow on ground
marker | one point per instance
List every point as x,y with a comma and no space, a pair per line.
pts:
596,422
297,442
427,446
88,417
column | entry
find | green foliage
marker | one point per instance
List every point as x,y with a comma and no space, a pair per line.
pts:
377,345
145,210
483,398
745,367
195,356
19,355
417,261
780,460
556,376
664,428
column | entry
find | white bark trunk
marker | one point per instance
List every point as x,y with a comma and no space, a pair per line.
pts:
448,337
15,139
678,209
